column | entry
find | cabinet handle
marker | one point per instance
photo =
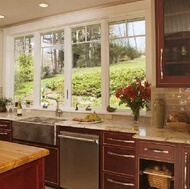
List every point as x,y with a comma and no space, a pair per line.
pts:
3,133
121,155
156,150
3,125
161,64
120,140
120,183
185,172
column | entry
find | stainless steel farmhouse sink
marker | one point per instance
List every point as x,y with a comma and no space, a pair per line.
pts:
36,129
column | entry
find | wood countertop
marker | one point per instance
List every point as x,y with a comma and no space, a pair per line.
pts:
13,155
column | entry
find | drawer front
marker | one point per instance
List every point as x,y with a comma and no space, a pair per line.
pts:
118,182
121,139
4,124
5,136
119,160
156,150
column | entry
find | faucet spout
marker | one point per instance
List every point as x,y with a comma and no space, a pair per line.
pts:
58,111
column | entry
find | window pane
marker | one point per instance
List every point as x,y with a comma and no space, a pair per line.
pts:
24,69
136,27
46,39
127,57
86,72
93,33
117,29
58,38
52,78
78,35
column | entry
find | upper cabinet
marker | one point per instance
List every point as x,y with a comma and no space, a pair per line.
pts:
172,43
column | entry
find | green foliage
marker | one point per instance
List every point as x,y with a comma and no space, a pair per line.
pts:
119,53
23,70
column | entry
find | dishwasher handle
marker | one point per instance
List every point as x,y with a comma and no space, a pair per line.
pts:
96,141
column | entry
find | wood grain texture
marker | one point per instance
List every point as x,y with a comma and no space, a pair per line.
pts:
13,155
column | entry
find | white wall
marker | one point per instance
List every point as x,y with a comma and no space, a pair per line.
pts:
1,59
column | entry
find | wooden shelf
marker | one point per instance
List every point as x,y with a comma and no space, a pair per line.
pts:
177,62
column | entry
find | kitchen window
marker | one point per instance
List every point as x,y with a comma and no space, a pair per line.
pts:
79,47
23,68
52,68
86,66
126,54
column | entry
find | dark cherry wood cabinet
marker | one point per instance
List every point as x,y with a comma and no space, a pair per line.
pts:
51,163
172,43
5,130
28,176
159,165
118,156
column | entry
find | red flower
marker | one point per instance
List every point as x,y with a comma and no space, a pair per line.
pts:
136,95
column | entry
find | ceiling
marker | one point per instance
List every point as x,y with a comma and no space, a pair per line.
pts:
21,11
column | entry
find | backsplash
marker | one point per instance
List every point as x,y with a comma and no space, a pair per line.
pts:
175,99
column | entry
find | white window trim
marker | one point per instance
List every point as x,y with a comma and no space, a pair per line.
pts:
66,22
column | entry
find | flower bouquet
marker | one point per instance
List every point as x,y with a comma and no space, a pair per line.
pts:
136,96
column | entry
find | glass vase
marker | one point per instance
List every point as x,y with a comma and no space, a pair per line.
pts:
136,115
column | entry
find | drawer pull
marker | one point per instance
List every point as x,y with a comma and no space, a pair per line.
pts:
185,172
3,125
156,150
3,133
161,64
120,140
121,155
120,183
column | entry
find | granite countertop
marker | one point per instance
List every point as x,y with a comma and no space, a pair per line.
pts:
140,132
13,155
143,131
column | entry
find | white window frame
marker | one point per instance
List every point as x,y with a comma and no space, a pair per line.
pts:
66,22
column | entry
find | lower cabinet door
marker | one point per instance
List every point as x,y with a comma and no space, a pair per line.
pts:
118,182
119,160
5,135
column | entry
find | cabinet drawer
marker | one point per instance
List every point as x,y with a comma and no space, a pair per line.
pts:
118,182
5,124
156,150
119,160
121,139
5,135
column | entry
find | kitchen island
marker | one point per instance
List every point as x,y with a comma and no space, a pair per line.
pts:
21,166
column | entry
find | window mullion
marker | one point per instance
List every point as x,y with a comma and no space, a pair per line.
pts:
37,69
67,67
105,64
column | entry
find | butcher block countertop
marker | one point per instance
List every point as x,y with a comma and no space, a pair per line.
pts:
13,155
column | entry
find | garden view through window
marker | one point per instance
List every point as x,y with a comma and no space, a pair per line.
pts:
127,55
126,62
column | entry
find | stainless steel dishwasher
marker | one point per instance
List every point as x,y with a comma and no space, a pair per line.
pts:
79,160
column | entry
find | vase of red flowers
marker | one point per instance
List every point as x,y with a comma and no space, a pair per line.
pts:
136,96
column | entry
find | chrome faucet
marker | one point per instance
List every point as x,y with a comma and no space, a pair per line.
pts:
58,111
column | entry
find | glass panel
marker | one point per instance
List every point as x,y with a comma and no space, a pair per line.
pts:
93,32
29,42
117,29
176,38
127,58
136,27
19,45
86,75
24,69
46,39
78,34
58,38
52,78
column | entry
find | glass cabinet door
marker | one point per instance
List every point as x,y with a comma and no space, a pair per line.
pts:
173,41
